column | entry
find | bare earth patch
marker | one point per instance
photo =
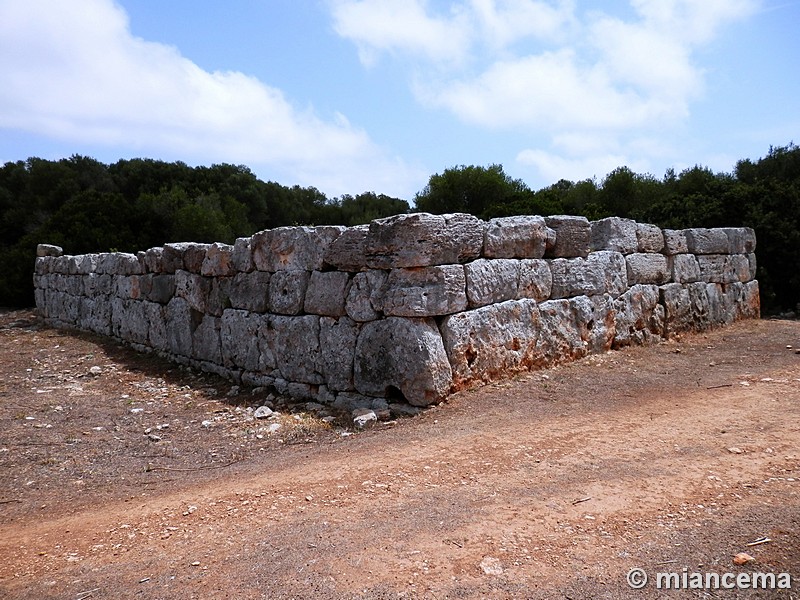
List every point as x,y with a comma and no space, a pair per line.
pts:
137,479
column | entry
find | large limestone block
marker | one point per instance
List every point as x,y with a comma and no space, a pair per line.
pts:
181,323
219,298
185,256
295,344
492,281
118,263
751,259
153,260
721,301
129,321
326,293
240,341
573,236
675,242
707,241
649,238
425,291
737,268
193,288
293,248
639,318
748,305
162,288
337,340
218,261
422,239
561,335
686,307
243,255
49,250
602,272
684,268
492,342
402,354
249,291
741,240
206,342
365,297
156,315
647,268
535,279
287,292
523,236
85,264
347,252
723,268
615,233
95,315
596,321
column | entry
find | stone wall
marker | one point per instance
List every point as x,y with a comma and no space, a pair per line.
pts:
411,307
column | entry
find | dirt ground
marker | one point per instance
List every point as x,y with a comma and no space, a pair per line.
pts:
139,479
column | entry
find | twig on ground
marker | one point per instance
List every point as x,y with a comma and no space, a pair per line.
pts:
10,501
151,467
713,387
759,541
86,594
579,500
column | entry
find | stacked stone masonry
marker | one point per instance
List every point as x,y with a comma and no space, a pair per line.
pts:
411,307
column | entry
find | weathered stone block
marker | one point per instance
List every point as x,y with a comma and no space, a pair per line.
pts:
365,296
219,298
95,315
129,320
162,288
287,292
240,341
535,279
295,344
684,268
347,252
156,315
614,233
675,242
250,291
741,240
404,354
337,340
720,304
639,318
153,260
49,250
596,321
751,259
218,261
707,241
326,293
516,237
181,322
714,268
206,343
602,272
685,307
492,342
649,238
748,304
243,255
193,288
573,236
425,291
185,256
492,281
647,268
560,337
737,268
422,239
293,248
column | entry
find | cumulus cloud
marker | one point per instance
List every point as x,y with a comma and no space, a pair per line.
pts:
73,70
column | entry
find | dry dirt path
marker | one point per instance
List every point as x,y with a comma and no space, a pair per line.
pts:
553,485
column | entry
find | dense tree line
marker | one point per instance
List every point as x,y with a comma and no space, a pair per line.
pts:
762,194
86,206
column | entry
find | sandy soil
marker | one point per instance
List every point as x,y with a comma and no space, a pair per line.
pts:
142,480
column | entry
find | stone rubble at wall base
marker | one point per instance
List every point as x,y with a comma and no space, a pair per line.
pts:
409,308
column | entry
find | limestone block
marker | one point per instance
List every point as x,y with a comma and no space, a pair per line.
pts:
287,292
602,272
402,354
186,256
95,315
425,291
751,259
721,310
181,322
337,340
73,285
83,264
162,288
240,343
615,233
492,281
684,268
422,239
118,263
737,268
326,293
153,260
560,337
649,238
129,320
295,344
42,265
596,321
293,248
66,308
218,261
206,343
49,250
573,236
60,264
347,252
685,307
675,242
707,241
516,237
741,240
648,268
714,268
639,318
219,298
365,297
749,303
535,279
250,291
243,255
492,342
193,288
156,315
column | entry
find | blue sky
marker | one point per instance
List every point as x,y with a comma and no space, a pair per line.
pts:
377,95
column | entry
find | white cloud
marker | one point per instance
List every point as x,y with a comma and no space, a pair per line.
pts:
553,167
74,71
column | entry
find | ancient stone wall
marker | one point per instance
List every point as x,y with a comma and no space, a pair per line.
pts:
409,307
